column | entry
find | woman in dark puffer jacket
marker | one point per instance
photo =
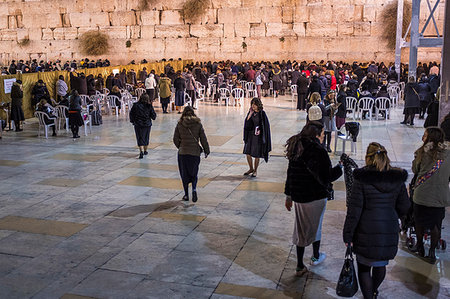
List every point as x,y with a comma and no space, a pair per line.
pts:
377,201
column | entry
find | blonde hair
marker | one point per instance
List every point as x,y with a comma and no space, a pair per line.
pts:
315,98
376,156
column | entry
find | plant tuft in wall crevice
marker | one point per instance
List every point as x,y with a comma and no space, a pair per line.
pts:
94,43
193,9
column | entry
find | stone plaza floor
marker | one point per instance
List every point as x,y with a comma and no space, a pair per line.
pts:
86,219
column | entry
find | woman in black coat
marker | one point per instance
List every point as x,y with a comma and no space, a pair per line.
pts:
425,95
16,104
412,102
141,115
256,136
302,91
378,199
341,113
314,86
75,118
308,184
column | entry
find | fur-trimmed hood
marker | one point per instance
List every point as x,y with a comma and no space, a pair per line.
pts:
384,181
189,121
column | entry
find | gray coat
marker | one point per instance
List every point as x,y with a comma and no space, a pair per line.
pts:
434,192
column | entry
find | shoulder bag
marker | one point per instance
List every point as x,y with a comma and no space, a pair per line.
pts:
196,140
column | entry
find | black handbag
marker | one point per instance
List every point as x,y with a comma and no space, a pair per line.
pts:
347,285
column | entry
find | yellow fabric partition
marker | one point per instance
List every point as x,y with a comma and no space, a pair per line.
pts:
28,81
50,79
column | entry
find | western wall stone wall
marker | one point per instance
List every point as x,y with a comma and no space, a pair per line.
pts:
229,29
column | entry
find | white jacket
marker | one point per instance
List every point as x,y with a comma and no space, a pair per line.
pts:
150,82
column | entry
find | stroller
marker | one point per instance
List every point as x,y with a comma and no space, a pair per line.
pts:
408,225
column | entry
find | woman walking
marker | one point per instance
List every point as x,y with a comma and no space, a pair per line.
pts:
412,102
165,92
377,200
16,104
75,118
180,85
188,133
431,167
141,115
150,85
308,184
256,136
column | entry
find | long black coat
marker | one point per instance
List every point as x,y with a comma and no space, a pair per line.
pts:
412,99
302,85
377,201
79,84
265,136
314,86
141,114
309,177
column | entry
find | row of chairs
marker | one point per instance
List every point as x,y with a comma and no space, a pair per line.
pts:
46,122
358,107
237,94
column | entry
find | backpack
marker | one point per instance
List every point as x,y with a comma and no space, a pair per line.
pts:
314,113
96,118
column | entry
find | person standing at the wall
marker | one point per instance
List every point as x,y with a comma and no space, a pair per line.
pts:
16,104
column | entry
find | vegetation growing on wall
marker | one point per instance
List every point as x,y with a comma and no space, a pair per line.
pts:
24,42
128,44
389,20
94,43
146,4
193,9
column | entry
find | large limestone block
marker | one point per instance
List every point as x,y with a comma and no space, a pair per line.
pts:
376,29
11,22
150,17
122,18
180,47
172,31
79,19
233,44
58,33
167,4
358,13
148,31
226,3
8,34
345,28
171,17
279,29
299,29
134,32
271,14
209,44
3,22
258,30
288,14
320,13
228,30
147,46
70,33
263,44
34,21
369,13
22,34
239,15
214,30
321,29
343,13
54,20
209,17
35,33
83,30
301,14
362,29
242,29
115,32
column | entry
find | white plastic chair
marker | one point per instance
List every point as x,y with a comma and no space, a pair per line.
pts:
365,104
106,91
42,116
87,120
139,92
352,106
393,92
224,94
383,104
187,100
238,95
345,138
200,90
250,89
84,99
294,92
61,116
111,100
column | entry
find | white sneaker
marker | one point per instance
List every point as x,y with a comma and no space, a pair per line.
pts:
322,257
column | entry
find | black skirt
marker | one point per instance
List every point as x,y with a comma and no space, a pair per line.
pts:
428,217
17,113
165,100
142,135
75,118
188,167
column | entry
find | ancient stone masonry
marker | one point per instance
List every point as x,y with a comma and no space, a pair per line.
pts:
269,29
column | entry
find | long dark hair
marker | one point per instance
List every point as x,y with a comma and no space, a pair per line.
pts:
187,112
294,146
258,103
435,136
